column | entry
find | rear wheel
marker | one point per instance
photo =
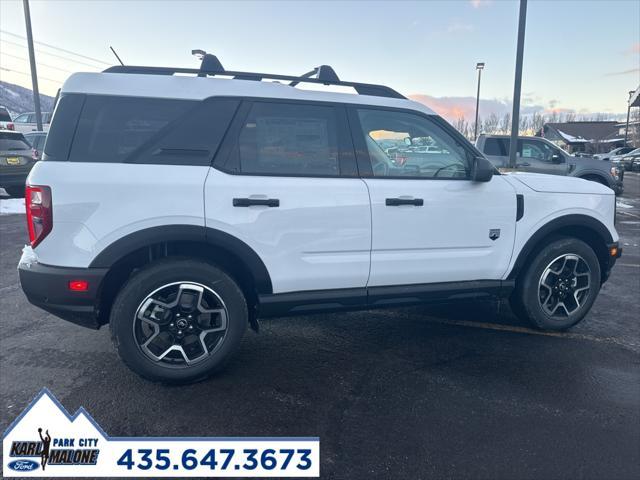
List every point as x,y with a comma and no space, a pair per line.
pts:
178,320
559,286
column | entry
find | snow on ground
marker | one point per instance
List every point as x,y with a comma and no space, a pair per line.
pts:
619,204
10,206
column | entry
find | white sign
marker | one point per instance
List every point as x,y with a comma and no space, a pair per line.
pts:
45,441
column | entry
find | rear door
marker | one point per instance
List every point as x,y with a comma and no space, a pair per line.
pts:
430,222
285,183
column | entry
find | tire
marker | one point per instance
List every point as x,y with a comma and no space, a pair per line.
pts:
534,301
152,326
15,191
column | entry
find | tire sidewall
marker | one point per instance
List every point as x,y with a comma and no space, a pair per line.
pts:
530,283
154,276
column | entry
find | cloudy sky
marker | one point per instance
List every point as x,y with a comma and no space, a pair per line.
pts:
581,56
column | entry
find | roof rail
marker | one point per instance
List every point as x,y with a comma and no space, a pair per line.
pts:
211,66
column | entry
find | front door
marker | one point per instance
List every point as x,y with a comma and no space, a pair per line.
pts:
430,222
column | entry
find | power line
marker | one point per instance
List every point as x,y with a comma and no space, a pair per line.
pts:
43,52
57,48
39,63
28,74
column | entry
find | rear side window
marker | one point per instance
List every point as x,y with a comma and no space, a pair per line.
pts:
288,139
496,146
11,142
63,126
150,130
112,128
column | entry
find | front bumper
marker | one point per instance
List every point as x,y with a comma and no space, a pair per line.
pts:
47,287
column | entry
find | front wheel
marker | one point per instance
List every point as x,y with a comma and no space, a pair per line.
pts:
178,320
559,286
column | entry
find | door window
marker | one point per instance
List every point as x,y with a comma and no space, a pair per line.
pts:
536,150
288,139
24,118
406,145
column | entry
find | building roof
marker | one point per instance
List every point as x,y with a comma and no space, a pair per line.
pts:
634,101
583,132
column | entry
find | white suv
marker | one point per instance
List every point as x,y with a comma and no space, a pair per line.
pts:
180,209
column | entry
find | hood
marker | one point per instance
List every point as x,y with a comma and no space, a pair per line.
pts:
559,184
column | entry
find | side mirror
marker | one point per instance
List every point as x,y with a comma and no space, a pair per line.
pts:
482,170
556,158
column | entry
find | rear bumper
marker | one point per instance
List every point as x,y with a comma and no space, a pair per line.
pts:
11,176
47,287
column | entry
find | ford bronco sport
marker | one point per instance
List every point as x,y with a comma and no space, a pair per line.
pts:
179,209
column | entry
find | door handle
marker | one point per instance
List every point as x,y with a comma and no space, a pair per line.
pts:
523,164
247,202
395,202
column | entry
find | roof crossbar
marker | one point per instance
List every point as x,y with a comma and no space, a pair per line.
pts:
211,66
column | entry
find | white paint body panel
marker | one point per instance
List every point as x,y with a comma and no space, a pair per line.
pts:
318,238
541,208
446,239
328,233
95,204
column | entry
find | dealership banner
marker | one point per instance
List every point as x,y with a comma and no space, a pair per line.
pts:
46,441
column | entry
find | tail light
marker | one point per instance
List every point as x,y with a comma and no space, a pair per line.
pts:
39,212
10,126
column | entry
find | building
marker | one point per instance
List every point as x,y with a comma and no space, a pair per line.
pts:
584,136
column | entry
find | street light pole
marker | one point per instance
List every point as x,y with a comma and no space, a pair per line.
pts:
515,116
479,67
626,130
32,62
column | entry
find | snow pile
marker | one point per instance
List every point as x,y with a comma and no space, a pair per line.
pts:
619,204
11,206
572,139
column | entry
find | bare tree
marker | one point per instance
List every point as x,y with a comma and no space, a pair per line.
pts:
505,124
491,124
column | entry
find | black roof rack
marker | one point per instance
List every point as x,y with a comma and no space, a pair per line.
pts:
211,66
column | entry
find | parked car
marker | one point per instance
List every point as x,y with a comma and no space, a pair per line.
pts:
538,155
26,122
615,152
16,160
36,140
179,210
631,161
5,119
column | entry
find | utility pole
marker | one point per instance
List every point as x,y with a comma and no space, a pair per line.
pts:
515,116
32,62
626,130
479,67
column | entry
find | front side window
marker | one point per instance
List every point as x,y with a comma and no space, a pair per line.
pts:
406,145
288,139
536,150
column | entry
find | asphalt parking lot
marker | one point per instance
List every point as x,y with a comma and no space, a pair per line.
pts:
458,392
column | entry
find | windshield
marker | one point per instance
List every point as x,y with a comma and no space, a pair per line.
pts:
11,141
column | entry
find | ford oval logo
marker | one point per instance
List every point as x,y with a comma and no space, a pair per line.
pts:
23,465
